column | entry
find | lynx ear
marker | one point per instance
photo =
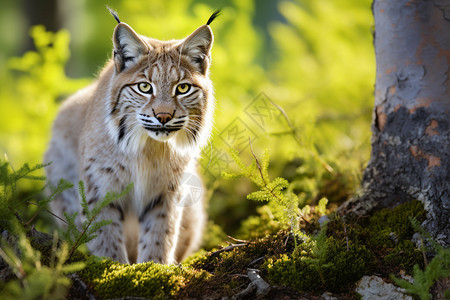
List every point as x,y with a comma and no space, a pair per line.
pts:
128,47
197,47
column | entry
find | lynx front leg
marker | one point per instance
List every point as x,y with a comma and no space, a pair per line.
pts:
109,241
158,231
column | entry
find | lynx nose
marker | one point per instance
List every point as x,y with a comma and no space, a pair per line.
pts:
163,117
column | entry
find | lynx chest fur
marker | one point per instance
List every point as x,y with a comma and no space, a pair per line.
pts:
143,122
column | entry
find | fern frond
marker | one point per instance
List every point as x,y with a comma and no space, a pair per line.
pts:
71,230
439,267
322,206
227,175
262,196
25,170
276,192
84,204
89,227
265,163
61,187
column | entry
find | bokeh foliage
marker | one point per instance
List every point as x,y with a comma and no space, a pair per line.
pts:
313,59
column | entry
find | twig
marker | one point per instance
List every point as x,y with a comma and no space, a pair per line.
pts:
77,242
257,162
255,260
260,172
18,216
56,216
239,275
303,218
237,240
228,248
287,239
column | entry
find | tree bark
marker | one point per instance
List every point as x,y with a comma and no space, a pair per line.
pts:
43,12
410,125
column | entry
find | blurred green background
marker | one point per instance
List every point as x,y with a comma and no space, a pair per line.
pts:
295,77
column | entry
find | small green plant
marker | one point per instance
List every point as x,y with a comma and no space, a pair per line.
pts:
89,227
439,267
10,202
41,274
36,280
319,254
279,195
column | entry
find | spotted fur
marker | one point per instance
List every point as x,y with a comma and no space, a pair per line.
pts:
143,121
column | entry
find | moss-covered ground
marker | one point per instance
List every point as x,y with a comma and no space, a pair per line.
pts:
329,259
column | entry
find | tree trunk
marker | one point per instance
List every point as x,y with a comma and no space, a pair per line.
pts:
43,12
410,127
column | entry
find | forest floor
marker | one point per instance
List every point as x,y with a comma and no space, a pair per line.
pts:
323,261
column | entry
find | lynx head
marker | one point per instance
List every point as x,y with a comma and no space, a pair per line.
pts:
160,90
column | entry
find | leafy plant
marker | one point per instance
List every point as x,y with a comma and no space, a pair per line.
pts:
319,253
30,87
36,280
11,205
276,192
89,227
439,267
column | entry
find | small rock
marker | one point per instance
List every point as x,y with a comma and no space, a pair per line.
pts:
323,220
328,296
393,237
373,287
417,240
403,275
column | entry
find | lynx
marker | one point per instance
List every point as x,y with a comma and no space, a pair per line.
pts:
143,121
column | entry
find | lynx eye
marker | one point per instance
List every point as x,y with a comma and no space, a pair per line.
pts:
183,88
145,87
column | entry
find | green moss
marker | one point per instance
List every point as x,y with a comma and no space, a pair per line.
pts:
404,256
195,258
295,272
342,267
347,263
111,279
390,234
395,220
227,265
354,248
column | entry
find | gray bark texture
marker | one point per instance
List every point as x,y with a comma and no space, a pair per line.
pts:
410,125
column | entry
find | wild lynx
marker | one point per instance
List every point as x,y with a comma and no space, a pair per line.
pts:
143,122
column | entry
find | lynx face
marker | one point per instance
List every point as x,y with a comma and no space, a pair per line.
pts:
160,90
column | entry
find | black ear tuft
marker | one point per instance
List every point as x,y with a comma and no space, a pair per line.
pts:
213,16
113,13
128,47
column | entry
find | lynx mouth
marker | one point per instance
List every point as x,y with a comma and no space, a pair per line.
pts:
163,129
162,133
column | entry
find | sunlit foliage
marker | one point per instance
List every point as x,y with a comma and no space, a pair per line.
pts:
31,86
